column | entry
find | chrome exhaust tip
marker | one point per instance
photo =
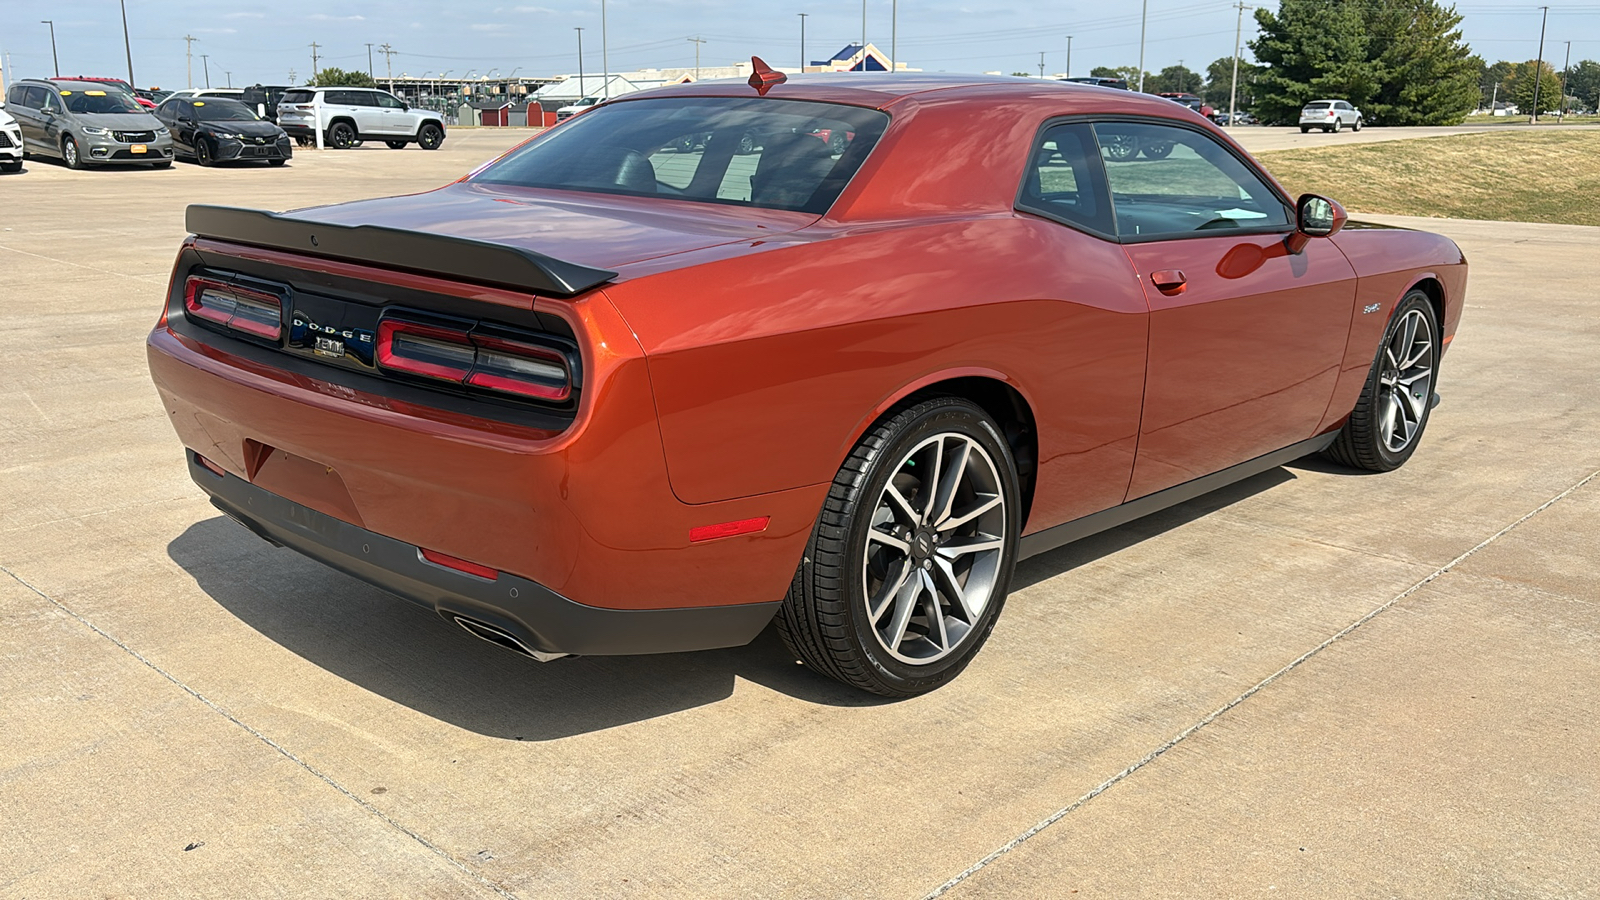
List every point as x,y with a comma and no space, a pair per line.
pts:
502,638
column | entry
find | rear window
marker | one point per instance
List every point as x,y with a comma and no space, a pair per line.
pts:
773,154
1320,104
296,97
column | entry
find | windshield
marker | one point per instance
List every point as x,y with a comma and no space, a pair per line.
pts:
772,154
98,101
223,111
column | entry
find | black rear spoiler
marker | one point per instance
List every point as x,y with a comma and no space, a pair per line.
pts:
418,251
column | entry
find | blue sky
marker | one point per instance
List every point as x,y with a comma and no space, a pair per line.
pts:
264,41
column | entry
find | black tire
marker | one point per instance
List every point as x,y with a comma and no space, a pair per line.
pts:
1157,149
164,164
203,154
1338,125
1121,147
276,162
1357,125
824,620
342,136
305,141
1305,129
747,144
1360,443
11,166
397,145
430,136
837,142
70,153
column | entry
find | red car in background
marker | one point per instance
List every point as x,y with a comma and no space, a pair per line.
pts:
117,83
605,397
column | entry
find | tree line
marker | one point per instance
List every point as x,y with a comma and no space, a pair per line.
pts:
1402,62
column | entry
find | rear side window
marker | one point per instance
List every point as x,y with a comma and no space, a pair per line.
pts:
296,97
1064,180
14,96
773,154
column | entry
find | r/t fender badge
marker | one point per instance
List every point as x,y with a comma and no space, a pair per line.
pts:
1368,310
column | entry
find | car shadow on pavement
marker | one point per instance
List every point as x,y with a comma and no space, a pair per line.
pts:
1064,559
415,658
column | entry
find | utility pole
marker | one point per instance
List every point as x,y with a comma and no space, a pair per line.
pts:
605,54
126,46
697,41
53,57
1538,70
205,64
1069,56
230,78
1562,115
388,64
188,60
583,89
291,78
369,60
1144,19
1233,87
1041,63
863,36
316,73
894,35
1494,99
802,40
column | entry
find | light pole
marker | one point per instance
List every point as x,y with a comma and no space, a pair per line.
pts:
863,36
894,35
126,46
1538,70
1041,63
605,54
1069,56
1233,87
1562,115
205,64
802,40
1144,19
369,61
53,57
582,88
696,41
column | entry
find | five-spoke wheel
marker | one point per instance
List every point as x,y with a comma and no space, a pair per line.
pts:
911,560
1389,418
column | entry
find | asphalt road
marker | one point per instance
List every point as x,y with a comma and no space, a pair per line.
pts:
1314,683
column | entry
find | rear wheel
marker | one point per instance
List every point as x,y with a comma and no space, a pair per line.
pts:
1305,129
430,136
1156,149
69,153
397,145
910,561
341,136
1387,423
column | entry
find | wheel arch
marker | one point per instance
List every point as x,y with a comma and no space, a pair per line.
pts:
992,391
1431,285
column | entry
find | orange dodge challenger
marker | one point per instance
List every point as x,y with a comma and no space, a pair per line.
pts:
841,357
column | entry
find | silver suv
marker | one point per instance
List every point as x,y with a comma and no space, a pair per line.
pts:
86,123
351,115
1330,115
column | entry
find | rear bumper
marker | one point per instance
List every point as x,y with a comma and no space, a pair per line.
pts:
539,617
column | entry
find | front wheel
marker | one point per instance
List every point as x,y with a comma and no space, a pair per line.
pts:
69,153
430,137
276,162
1357,125
1337,125
1392,412
397,145
910,562
203,154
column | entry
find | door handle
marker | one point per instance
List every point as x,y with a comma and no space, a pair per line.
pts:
1169,281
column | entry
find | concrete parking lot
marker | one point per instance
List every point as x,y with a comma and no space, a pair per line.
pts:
1314,683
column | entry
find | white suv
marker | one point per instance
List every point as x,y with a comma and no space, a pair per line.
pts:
10,143
353,114
1329,115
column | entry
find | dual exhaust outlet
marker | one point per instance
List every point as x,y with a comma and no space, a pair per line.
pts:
498,636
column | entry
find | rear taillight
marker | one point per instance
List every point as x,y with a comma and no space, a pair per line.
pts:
485,361
232,307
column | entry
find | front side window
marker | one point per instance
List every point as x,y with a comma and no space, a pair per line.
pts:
1169,182
773,154
1063,180
389,102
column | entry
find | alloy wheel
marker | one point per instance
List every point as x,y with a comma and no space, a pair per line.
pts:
1405,381
934,547
70,151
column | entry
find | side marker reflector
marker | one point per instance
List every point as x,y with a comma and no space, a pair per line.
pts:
728,529
460,565
210,466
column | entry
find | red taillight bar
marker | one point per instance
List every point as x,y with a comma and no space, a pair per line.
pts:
469,358
240,309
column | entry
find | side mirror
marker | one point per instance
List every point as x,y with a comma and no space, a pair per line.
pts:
1315,216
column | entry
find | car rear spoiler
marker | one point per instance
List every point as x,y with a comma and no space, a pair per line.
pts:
418,251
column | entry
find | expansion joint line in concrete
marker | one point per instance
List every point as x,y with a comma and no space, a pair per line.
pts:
284,751
1150,757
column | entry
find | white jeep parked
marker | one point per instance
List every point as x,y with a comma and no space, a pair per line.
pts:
351,115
